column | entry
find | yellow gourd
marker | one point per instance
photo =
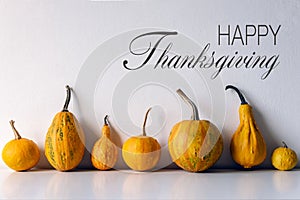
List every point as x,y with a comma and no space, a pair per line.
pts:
194,145
105,152
20,154
284,158
248,147
141,152
64,144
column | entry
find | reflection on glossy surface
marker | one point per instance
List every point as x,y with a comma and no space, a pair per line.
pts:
194,181
203,185
251,184
162,184
18,185
137,185
107,184
285,181
66,185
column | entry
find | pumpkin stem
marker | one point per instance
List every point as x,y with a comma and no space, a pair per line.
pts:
17,135
195,115
284,144
68,98
242,98
105,120
145,120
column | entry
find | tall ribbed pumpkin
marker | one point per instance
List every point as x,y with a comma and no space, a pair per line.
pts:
64,145
247,147
194,145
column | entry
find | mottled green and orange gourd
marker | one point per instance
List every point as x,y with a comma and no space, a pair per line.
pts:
64,145
194,145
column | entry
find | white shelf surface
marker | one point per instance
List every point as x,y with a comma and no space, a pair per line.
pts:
163,184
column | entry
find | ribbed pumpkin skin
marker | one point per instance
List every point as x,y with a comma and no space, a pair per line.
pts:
248,147
141,153
64,145
105,152
195,145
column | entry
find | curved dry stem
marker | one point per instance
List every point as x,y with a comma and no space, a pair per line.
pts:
195,114
68,98
17,135
145,121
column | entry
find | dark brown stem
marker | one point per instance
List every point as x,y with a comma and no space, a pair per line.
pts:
68,98
195,115
17,135
242,98
145,120
284,144
105,120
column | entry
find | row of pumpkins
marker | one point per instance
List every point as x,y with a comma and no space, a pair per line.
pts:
194,145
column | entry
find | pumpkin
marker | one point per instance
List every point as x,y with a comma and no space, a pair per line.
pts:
248,147
284,158
141,152
20,154
104,153
194,145
64,144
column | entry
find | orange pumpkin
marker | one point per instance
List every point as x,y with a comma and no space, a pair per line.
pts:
64,144
20,154
194,145
284,158
105,152
141,152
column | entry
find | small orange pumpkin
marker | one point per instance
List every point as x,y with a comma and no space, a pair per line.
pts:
20,154
105,152
284,158
141,152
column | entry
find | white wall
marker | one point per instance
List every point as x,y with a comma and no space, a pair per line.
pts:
44,44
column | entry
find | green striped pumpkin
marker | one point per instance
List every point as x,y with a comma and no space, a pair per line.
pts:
64,145
194,145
